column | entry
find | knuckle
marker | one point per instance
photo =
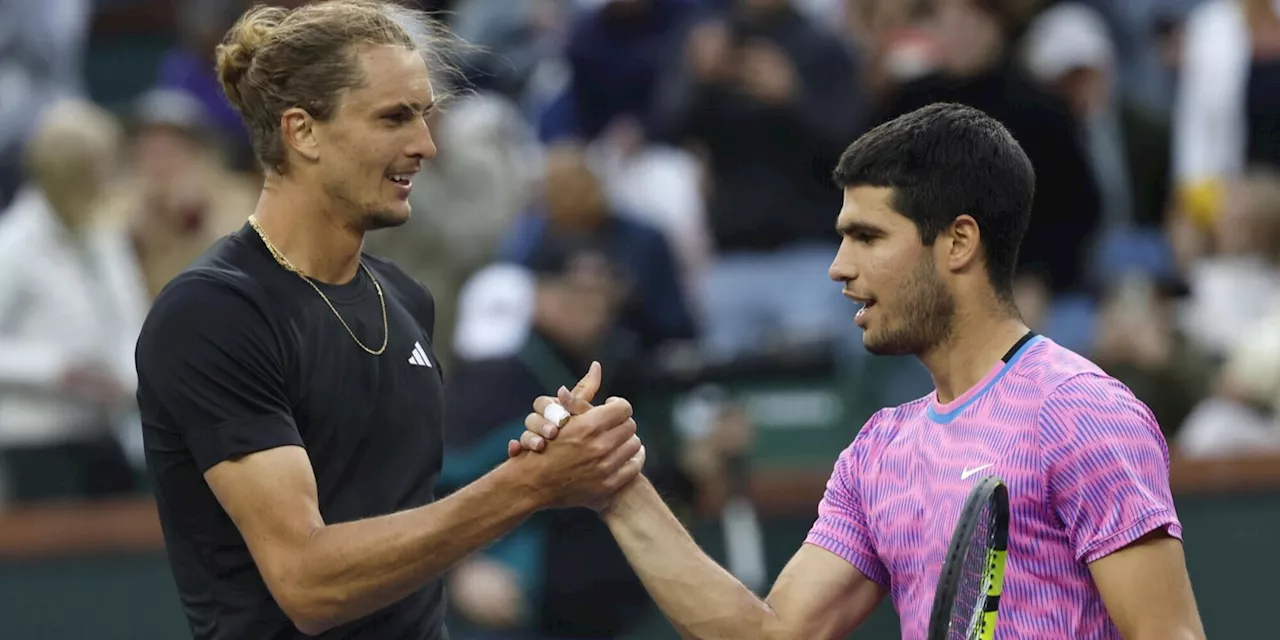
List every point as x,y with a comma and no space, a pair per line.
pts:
599,449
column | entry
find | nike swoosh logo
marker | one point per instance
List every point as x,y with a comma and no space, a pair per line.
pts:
968,472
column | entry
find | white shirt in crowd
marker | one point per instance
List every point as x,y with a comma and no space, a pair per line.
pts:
66,300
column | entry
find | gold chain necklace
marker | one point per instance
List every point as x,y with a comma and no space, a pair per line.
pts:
284,262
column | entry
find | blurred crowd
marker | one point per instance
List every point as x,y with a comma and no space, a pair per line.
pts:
646,183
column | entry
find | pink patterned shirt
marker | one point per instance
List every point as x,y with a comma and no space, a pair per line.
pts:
1087,470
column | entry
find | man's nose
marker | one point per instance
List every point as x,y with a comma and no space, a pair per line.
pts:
842,269
424,145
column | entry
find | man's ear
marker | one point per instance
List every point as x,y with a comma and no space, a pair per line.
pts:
964,243
298,133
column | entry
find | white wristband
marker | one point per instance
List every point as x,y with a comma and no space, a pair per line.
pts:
556,414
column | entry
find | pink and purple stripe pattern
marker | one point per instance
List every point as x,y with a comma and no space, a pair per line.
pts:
1087,470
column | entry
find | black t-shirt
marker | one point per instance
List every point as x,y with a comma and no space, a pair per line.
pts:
239,355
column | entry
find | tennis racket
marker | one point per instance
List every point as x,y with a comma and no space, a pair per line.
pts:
968,596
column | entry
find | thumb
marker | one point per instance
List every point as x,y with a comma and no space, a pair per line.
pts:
588,386
573,402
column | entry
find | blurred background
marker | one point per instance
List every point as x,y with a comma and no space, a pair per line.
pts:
645,182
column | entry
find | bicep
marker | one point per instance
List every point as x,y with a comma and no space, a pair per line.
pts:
821,595
271,497
1147,591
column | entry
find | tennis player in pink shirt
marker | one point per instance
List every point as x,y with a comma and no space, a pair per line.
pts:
935,206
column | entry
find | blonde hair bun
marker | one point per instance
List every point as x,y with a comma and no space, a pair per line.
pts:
235,55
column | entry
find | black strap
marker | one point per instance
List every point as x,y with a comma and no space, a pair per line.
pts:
1017,345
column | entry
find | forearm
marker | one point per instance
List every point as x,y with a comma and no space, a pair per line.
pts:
350,570
699,597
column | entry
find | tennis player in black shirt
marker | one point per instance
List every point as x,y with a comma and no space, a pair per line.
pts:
291,401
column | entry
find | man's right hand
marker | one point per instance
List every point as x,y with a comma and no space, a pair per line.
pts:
594,457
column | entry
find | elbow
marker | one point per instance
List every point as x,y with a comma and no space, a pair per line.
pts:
311,601
773,627
309,627
311,607
306,611
312,613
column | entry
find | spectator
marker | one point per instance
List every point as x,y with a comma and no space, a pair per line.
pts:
180,195
1239,281
895,46
615,53
574,205
1228,105
770,100
979,69
561,575
71,306
1069,51
658,185
41,54
1243,416
517,47
188,67
1139,343
1136,29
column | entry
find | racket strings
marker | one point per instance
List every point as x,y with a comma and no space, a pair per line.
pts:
967,601
971,594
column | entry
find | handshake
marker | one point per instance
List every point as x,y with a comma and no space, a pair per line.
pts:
596,452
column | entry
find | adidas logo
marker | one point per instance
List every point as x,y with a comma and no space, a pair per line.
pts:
419,356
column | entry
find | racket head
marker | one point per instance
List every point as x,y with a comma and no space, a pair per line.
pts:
986,514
